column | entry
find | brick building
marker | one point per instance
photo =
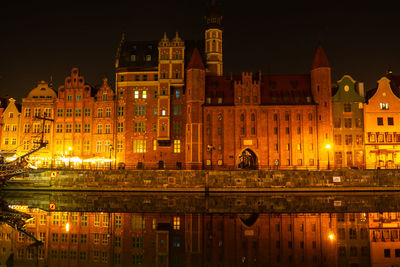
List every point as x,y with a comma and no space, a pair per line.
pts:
181,111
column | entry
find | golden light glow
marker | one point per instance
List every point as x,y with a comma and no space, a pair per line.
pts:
328,146
67,227
331,236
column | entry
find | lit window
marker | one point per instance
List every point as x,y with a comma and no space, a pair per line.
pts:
139,146
177,94
384,106
163,112
154,145
144,94
177,223
177,146
136,94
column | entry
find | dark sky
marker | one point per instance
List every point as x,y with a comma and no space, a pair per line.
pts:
279,37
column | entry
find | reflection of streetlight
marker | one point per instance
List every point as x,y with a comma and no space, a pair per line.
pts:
328,147
210,149
67,227
69,159
111,149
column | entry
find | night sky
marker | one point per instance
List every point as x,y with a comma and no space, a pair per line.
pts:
39,40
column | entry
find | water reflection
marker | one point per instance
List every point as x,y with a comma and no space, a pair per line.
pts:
194,239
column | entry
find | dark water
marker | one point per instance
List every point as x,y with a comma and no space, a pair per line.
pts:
126,229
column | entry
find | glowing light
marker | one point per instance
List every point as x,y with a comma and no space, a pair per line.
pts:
67,227
331,236
328,146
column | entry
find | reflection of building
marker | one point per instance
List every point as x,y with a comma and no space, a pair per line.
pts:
353,239
10,128
170,239
347,112
384,239
382,124
38,103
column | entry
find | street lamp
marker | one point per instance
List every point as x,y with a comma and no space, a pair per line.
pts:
328,147
210,149
111,149
69,159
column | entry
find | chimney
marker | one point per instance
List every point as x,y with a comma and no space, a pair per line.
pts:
360,89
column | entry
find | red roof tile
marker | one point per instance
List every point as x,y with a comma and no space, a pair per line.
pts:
195,61
320,59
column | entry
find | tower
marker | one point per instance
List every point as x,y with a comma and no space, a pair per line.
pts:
195,82
171,78
322,93
213,40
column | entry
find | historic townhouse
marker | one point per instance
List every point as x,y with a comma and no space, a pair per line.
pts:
37,105
382,127
10,128
348,123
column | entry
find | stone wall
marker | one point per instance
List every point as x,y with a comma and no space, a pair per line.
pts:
169,180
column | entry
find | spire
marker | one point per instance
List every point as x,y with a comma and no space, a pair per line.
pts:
195,61
213,18
320,59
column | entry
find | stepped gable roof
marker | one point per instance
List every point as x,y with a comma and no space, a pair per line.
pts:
286,90
320,59
195,61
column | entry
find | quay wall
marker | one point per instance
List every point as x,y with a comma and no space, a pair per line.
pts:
212,181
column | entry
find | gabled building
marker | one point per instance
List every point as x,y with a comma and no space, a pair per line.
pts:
10,130
38,104
382,124
348,121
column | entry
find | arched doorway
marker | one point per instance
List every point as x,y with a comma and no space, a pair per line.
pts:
248,160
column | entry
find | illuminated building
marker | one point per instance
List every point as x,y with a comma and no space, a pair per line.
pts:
38,103
186,114
10,128
382,124
348,122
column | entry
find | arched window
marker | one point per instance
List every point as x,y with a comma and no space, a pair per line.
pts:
241,117
253,117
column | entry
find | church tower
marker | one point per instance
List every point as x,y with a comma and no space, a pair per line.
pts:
213,40
195,94
322,92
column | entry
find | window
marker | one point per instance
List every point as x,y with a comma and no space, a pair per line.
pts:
353,251
86,146
347,107
47,112
144,93
121,78
27,112
78,128
98,146
352,233
99,113
287,130
148,58
69,98
163,112
379,120
177,109
359,139
59,128
177,93
120,146
14,141
384,106
348,139
104,97
310,130
286,117
177,146
390,121
88,112
87,128
99,128
26,128
68,112
139,146
108,128
220,100
358,122
120,127
108,112
177,223
136,94
68,128
137,242
386,253
140,110
117,241
120,111
83,239
177,126
140,127
275,130
347,122
396,253
137,259
78,98
275,117
54,238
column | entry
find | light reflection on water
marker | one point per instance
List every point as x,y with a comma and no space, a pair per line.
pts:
194,230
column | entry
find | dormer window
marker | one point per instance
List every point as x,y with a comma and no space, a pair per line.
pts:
384,106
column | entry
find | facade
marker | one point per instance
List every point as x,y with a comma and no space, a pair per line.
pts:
38,104
10,128
382,127
348,123
181,112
